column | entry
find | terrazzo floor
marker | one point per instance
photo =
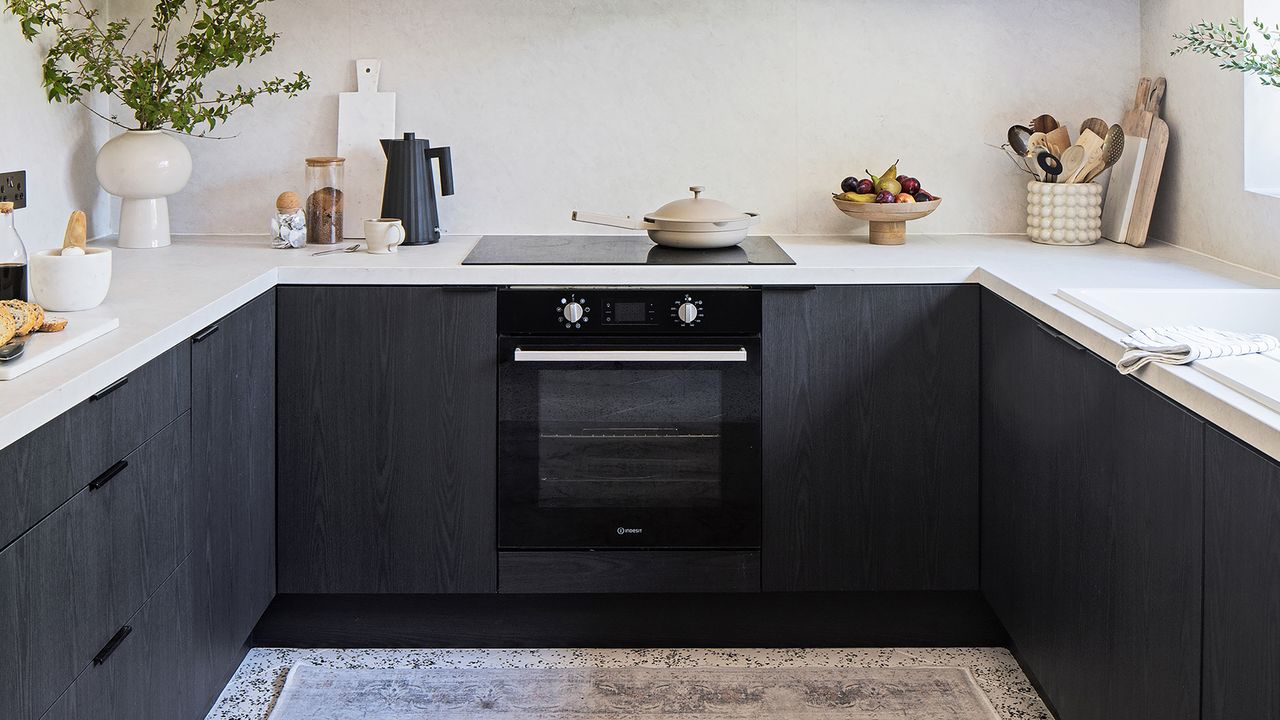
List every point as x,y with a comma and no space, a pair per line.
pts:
255,686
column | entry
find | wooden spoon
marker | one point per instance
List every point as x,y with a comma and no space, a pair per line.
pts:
1059,140
1072,159
1112,151
1097,125
1044,124
75,235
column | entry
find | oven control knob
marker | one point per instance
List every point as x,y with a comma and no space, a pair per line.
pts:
573,312
687,312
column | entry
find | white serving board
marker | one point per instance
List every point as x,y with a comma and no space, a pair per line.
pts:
364,118
44,347
1122,191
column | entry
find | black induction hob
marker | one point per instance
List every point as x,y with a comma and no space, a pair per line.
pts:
617,250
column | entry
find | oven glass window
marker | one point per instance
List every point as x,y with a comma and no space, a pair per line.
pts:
621,438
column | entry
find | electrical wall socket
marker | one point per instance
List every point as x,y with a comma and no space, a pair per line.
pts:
13,188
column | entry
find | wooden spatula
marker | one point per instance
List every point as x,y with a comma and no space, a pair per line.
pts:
76,233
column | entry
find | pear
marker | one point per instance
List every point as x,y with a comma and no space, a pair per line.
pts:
888,181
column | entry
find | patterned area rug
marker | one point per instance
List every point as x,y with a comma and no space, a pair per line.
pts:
812,693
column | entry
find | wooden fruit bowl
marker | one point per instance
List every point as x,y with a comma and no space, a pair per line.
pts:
888,220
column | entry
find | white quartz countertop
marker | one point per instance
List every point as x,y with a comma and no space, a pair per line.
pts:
164,296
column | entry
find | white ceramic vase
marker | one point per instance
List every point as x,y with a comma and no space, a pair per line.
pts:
142,168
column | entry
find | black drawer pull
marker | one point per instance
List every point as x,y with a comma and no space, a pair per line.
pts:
112,644
106,477
1055,334
205,333
109,389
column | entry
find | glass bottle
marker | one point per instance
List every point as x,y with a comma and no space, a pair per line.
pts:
13,257
324,200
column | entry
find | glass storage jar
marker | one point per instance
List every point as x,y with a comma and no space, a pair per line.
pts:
324,200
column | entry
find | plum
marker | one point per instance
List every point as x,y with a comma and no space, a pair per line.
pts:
865,187
886,197
911,186
849,184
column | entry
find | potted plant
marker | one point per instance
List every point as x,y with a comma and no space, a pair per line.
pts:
1235,47
158,70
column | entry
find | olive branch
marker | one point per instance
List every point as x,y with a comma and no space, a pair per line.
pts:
1233,45
160,76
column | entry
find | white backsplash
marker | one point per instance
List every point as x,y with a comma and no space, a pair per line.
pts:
619,105
55,144
1202,203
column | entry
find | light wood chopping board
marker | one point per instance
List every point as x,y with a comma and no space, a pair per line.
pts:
1131,194
364,118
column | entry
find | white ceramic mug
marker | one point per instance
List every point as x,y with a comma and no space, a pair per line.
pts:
383,235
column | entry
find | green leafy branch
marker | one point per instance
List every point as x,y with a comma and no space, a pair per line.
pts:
162,80
1233,45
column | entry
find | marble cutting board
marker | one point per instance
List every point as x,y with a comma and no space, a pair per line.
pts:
364,118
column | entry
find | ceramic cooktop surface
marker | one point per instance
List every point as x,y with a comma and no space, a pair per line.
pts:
617,250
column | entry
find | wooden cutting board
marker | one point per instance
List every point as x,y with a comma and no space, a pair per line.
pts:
364,118
43,347
1131,194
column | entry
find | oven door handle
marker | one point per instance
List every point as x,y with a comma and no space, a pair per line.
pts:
635,356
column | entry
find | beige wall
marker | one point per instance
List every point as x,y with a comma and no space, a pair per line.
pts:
55,144
1202,203
619,105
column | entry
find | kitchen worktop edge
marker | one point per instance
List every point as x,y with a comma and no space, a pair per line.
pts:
164,296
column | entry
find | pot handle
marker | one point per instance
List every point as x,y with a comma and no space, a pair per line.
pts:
611,221
752,219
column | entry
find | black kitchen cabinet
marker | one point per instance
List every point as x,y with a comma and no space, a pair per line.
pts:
68,584
1241,582
387,475
54,462
1092,504
870,448
233,370
147,671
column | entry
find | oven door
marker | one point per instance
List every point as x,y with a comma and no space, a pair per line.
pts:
629,443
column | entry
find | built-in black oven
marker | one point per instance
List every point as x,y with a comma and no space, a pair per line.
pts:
629,418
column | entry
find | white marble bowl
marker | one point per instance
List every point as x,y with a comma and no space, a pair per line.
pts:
71,283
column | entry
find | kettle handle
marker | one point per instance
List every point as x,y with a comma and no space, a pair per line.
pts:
446,168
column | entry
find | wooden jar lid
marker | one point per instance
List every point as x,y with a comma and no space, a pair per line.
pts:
323,161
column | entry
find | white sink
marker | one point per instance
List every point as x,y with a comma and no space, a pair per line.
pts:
1244,310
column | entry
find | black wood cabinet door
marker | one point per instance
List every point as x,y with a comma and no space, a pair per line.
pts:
1242,581
68,584
1092,524
387,400
233,367
870,417
145,674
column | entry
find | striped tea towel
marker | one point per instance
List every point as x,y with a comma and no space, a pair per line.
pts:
1182,345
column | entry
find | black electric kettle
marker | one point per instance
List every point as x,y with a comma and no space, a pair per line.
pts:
410,190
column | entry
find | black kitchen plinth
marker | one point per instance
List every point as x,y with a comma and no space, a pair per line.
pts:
617,250
859,619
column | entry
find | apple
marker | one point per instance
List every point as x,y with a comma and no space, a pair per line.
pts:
905,198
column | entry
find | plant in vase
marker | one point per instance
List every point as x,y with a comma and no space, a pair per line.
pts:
156,68
1235,46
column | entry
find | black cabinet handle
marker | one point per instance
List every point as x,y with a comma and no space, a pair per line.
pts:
109,389
1055,334
205,333
111,472
111,645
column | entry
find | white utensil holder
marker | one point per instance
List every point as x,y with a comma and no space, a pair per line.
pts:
1064,214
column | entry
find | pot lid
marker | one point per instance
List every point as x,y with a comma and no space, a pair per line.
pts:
697,209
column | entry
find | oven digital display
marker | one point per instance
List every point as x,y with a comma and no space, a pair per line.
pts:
630,312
